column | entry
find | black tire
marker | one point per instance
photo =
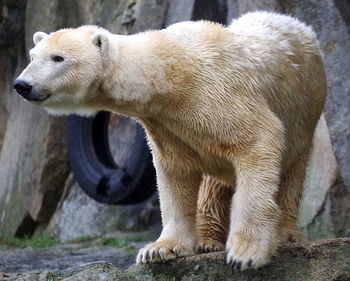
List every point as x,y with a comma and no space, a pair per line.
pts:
96,171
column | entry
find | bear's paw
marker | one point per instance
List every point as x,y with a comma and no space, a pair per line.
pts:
243,253
163,250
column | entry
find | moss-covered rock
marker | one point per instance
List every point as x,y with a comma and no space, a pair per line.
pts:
325,260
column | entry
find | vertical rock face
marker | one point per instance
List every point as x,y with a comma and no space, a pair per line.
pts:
33,162
322,174
324,211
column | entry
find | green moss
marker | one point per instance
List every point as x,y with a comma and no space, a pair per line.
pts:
82,239
40,241
113,242
131,250
121,242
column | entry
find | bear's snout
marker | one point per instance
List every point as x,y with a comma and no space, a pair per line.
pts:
30,93
22,87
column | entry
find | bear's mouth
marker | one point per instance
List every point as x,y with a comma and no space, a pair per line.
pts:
36,95
37,98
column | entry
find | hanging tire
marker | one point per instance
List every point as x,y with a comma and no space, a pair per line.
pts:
130,181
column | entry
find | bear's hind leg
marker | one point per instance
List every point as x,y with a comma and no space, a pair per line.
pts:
213,213
289,196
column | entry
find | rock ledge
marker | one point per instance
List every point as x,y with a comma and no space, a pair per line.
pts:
325,260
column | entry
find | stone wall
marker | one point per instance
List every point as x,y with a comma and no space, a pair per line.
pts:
32,157
36,187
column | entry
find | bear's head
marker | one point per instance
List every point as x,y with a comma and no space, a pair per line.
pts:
65,69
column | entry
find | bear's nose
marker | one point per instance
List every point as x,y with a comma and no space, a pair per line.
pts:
22,87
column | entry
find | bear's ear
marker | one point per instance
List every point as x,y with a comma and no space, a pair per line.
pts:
100,39
38,36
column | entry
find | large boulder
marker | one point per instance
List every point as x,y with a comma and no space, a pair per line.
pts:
325,207
80,216
321,261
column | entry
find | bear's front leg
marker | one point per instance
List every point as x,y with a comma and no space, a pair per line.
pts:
255,216
178,193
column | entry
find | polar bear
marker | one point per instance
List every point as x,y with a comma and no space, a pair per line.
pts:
229,113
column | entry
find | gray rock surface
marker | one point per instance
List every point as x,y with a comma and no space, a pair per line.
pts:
79,215
325,207
321,176
322,261
61,257
33,161
333,217
118,248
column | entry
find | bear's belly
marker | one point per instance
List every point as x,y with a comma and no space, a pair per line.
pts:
186,151
215,165
210,160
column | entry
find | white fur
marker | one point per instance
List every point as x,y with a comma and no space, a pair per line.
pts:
237,104
38,36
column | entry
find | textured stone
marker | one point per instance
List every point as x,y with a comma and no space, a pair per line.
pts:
321,175
143,10
214,10
118,248
11,33
180,10
244,6
11,23
61,258
79,215
333,217
325,209
321,261
33,161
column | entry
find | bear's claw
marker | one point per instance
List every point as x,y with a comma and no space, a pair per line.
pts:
239,264
210,246
248,253
162,251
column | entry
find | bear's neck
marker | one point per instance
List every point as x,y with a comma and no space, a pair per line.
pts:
144,70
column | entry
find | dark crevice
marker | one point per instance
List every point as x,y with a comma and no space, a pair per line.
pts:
100,140
343,7
103,186
215,10
27,227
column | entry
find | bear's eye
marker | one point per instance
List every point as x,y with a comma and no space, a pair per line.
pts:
57,58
